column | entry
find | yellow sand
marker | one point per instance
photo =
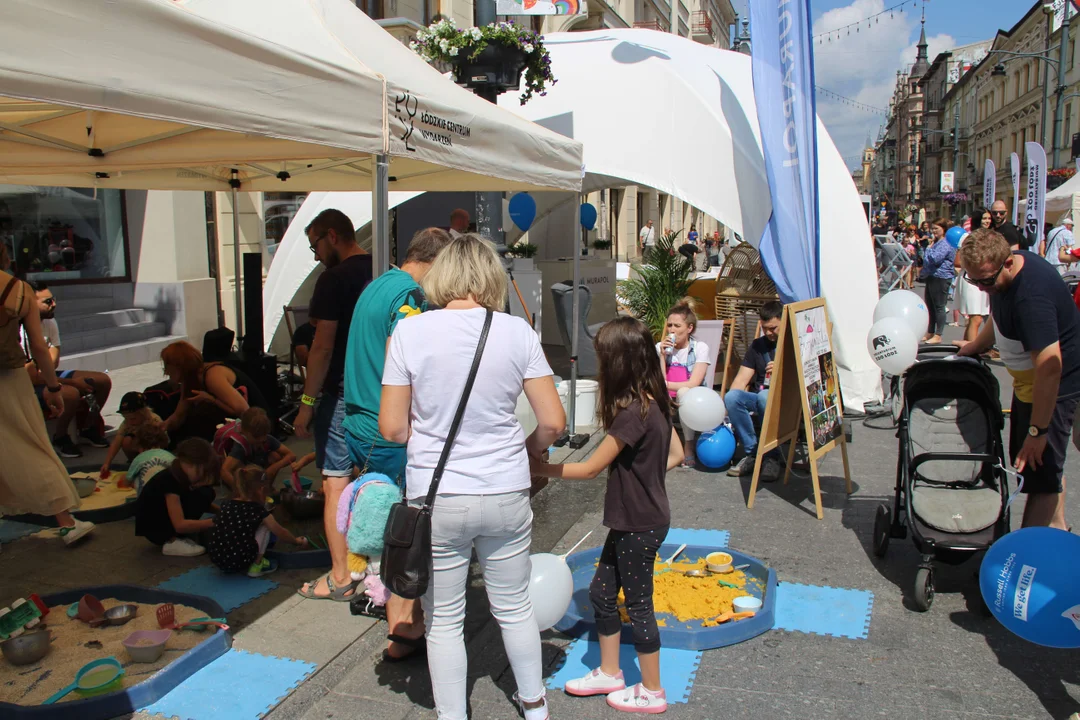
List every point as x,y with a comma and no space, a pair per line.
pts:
108,492
690,598
32,684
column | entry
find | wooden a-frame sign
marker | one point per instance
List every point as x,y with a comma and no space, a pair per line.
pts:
804,395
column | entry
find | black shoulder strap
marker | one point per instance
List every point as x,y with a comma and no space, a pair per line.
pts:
437,475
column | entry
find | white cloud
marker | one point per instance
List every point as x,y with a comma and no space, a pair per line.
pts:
862,65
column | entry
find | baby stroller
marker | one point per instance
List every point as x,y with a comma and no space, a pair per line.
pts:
951,488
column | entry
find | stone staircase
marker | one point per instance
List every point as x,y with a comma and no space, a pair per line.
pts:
100,329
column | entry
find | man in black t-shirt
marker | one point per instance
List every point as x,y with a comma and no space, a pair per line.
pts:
999,213
1037,329
348,271
750,390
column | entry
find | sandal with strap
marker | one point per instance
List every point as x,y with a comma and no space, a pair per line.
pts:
336,594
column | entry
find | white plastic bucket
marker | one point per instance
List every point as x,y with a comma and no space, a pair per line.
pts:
585,403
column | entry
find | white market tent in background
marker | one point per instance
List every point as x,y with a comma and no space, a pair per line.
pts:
663,111
1064,198
286,96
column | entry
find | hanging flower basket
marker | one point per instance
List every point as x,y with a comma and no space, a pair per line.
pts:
495,55
954,199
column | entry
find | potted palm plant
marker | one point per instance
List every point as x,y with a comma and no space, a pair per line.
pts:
602,248
661,280
522,254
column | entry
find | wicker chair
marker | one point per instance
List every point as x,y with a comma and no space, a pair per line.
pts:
742,287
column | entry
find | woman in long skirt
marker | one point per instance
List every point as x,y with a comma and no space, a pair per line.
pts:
32,478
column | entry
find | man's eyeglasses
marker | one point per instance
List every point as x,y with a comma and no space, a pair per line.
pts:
997,212
987,282
49,301
315,245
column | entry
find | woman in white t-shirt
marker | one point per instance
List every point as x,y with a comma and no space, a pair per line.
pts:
483,498
685,361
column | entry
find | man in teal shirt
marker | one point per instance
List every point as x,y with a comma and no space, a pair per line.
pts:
390,297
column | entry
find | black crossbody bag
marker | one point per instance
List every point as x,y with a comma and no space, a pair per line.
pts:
406,558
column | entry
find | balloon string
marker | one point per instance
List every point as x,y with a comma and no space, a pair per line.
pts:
1019,483
567,553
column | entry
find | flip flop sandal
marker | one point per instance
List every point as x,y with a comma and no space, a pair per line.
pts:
337,594
418,645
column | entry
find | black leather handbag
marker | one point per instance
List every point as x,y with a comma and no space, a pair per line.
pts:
406,557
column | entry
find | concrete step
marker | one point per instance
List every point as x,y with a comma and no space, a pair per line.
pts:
119,356
120,293
70,324
87,306
86,340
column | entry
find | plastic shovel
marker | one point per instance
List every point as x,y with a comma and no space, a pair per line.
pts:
166,617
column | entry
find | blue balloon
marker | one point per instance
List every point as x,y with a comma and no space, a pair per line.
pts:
588,216
954,235
715,448
1030,583
523,210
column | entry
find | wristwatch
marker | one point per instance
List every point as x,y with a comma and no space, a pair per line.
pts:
1034,431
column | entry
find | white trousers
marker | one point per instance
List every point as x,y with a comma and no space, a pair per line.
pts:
499,528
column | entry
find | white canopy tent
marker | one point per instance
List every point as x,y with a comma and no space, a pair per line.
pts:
666,112
209,95
1062,199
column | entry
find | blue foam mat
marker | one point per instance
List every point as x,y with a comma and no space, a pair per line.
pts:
211,693
678,668
228,590
823,610
12,530
694,536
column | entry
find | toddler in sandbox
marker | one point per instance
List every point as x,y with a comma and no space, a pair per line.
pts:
244,527
173,501
255,446
136,414
640,447
150,442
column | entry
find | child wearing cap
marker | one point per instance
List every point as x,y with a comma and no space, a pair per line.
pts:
136,413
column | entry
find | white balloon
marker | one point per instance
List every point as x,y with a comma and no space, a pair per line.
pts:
892,345
907,306
551,587
701,409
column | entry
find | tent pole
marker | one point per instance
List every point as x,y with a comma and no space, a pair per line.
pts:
380,215
234,183
575,330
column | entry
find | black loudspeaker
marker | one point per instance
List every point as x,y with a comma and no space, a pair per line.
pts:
252,343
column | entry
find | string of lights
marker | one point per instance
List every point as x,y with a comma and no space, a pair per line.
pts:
849,102
844,31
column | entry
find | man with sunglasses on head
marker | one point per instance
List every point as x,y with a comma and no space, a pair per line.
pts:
75,385
1037,330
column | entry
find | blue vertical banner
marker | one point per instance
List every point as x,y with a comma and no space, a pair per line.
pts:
783,68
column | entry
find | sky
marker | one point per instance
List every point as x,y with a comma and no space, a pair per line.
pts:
862,66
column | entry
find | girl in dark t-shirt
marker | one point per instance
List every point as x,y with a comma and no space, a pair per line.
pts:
640,447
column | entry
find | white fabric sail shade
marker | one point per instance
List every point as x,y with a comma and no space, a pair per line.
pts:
296,96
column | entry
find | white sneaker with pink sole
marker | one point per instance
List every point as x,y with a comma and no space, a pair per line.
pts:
638,699
595,683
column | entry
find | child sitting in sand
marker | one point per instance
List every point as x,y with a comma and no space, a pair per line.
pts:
150,442
173,502
254,445
244,527
136,414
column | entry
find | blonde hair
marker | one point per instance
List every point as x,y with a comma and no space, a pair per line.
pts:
468,267
685,308
984,246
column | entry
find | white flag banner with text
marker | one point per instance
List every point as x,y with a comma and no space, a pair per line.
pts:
1036,193
989,183
1014,162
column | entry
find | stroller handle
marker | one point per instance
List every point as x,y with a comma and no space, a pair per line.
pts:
940,348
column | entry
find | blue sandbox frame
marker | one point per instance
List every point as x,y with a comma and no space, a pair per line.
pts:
578,620
149,690
101,515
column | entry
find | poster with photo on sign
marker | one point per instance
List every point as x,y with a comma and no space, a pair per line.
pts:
539,7
819,374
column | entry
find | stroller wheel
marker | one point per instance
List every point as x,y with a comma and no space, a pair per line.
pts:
924,589
882,528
